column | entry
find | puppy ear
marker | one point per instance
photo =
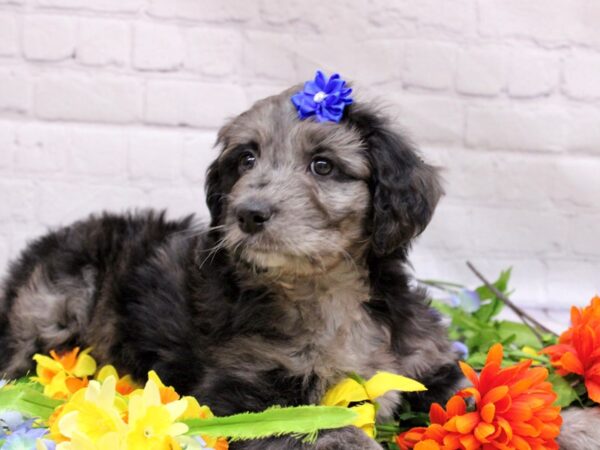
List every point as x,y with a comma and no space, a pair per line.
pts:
215,184
214,194
404,189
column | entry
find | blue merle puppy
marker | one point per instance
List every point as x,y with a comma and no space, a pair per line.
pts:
299,280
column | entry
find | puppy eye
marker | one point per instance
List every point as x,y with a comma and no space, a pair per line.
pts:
246,161
321,166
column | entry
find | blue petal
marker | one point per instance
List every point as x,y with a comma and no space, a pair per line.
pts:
310,87
334,85
332,82
461,349
320,80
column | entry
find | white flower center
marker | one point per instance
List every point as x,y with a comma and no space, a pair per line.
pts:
319,97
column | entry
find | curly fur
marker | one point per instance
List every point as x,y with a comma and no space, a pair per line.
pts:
245,321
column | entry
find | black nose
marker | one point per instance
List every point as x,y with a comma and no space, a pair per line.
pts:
253,215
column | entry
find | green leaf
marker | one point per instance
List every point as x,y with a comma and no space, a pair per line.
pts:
566,393
477,360
27,400
523,336
488,311
501,284
303,421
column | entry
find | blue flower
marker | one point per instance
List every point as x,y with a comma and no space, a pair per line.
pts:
24,437
10,420
323,98
461,349
466,299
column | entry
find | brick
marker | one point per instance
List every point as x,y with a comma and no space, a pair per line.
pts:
517,231
582,76
7,145
532,73
397,19
572,282
19,206
198,152
430,16
458,16
575,183
180,201
317,16
269,55
214,52
429,65
41,148
9,34
101,153
430,119
527,277
103,43
49,38
155,156
501,127
499,178
192,104
583,232
203,10
337,56
463,231
586,31
549,21
157,47
15,91
99,99
481,71
583,130
446,232
117,6
257,92
64,202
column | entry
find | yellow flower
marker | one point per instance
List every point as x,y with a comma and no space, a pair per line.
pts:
167,393
125,385
195,411
64,374
92,419
350,391
152,424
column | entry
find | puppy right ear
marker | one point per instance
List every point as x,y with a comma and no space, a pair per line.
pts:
214,193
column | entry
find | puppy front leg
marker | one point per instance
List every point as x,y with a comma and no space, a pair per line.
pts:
348,438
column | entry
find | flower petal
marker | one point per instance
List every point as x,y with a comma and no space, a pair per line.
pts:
383,382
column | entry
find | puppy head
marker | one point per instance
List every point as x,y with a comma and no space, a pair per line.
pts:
300,196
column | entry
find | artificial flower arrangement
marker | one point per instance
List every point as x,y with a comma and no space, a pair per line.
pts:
520,376
71,405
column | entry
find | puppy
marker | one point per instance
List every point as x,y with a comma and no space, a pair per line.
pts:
298,281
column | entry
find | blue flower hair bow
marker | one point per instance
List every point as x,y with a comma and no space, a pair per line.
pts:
323,98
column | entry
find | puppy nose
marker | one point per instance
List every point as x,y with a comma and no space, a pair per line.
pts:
253,215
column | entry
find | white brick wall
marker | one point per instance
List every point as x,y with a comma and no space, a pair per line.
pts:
115,104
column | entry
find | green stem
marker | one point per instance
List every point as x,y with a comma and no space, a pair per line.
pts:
520,354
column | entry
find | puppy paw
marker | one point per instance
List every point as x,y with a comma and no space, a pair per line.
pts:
350,438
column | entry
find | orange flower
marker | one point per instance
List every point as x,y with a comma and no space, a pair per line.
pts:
578,348
64,374
513,410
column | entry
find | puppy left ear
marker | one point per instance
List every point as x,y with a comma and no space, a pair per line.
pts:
214,196
404,189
